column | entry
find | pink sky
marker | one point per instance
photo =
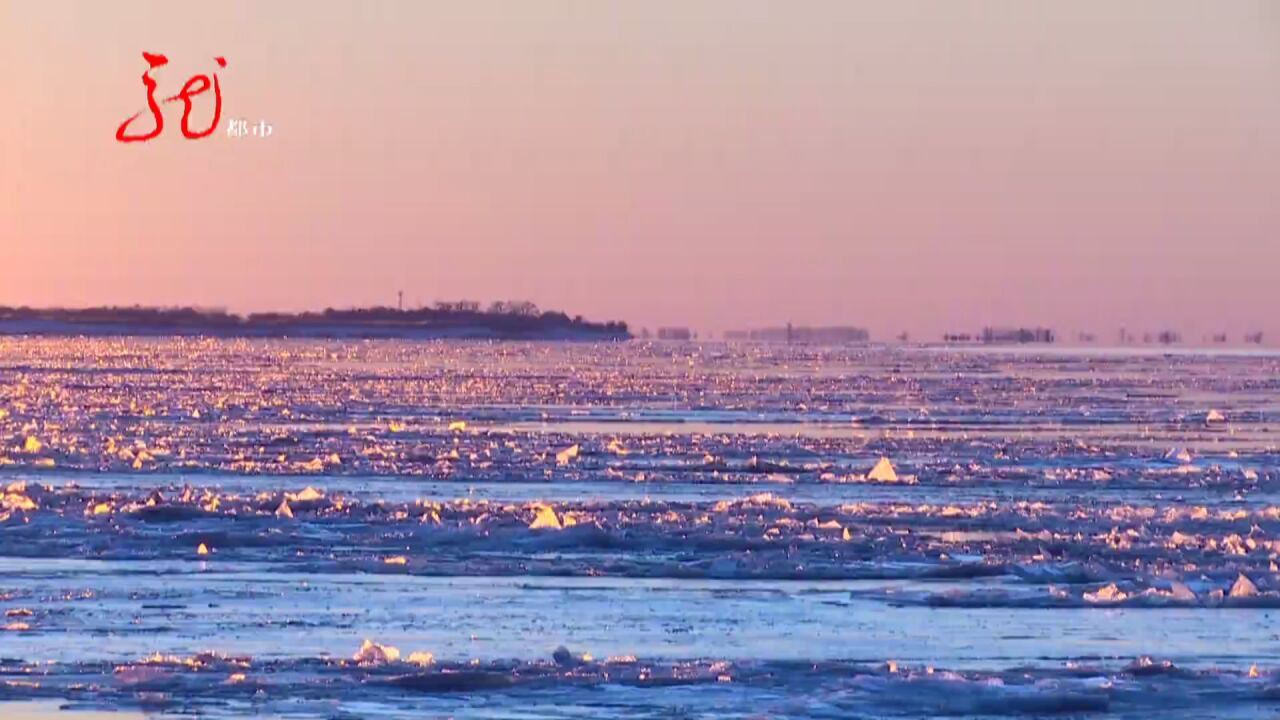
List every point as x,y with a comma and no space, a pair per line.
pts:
714,163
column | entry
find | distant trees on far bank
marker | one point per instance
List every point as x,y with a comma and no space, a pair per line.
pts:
505,318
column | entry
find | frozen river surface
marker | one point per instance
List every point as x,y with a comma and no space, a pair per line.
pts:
223,528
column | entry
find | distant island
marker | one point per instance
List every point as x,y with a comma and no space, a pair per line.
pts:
517,320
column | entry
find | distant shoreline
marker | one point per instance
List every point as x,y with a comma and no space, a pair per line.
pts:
521,322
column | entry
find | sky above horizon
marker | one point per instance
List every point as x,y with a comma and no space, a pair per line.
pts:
719,164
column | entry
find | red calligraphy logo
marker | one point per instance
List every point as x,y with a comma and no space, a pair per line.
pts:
197,85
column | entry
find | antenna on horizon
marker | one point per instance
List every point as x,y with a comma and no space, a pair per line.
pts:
400,300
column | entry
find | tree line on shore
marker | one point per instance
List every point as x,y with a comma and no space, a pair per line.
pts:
504,315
